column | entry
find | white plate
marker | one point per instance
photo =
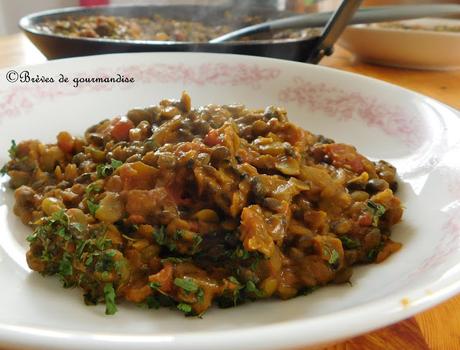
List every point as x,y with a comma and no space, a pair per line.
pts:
417,134
418,49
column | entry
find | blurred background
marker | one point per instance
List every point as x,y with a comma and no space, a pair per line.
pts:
12,10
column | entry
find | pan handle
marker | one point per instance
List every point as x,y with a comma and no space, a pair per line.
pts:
333,30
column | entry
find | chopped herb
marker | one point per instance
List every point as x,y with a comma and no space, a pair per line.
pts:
197,239
65,266
119,265
93,187
92,207
32,237
377,211
109,296
372,254
187,284
116,164
111,253
185,308
89,260
162,238
200,295
64,233
252,288
160,235
104,263
4,170
349,243
46,256
255,262
233,280
152,303
60,217
178,234
80,247
240,253
76,226
334,257
155,285
104,170
13,151
102,243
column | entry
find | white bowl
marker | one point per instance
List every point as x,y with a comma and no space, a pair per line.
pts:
418,49
417,134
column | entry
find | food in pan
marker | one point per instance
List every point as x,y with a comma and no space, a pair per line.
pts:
158,28
185,207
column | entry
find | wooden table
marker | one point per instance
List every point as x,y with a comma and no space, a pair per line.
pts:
438,328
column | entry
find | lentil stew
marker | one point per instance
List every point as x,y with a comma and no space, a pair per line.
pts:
160,28
185,207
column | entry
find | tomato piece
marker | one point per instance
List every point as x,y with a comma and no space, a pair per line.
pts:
365,219
121,128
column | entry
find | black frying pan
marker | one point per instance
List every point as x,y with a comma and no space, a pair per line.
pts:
304,50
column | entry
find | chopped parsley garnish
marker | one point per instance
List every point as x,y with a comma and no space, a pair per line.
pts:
111,253
92,188
373,253
240,253
92,207
255,262
64,233
116,164
162,238
377,210
89,260
104,170
102,243
187,284
178,235
233,280
185,308
13,151
65,266
252,288
80,247
349,243
200,295
109,296
4,170
334,257
160,235
151,303
196,242
57,223
155,285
